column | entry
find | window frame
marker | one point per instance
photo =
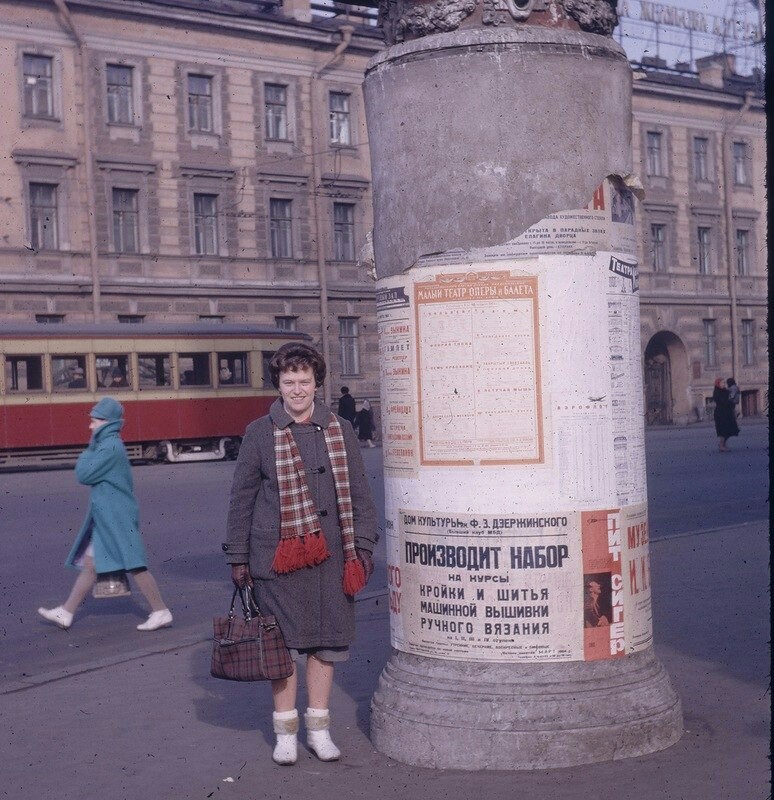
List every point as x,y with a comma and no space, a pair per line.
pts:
118,232
199,219
141,387
281,320
130,94
658,247
194,125
349,345
268,105
340,119
654,163
31,218
741,163
344,233
748,342
82,360
710,343
10,360
281,229
742,254
701,159
31,114
704,249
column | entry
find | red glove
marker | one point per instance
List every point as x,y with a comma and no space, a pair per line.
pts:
367,561
240,575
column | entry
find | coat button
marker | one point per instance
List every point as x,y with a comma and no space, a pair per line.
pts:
225,548
323,513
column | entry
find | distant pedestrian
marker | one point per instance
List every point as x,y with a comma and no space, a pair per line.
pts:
347,405
364,424
109,540
724,415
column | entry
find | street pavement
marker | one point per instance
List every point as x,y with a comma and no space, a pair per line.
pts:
103,711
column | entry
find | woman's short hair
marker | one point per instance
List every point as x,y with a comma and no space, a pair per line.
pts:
294,356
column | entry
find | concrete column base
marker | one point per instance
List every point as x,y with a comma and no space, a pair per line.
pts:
429,712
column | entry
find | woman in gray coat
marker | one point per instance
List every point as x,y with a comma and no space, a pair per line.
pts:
301,531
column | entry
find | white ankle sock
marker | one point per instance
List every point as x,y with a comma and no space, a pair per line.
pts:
286,730
318,735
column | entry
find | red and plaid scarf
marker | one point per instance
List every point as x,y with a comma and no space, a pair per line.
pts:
302,542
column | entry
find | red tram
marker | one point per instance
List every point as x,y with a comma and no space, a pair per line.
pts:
188,390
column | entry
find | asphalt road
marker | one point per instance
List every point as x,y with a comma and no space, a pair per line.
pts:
692,487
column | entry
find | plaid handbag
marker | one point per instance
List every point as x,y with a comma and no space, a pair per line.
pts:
251,648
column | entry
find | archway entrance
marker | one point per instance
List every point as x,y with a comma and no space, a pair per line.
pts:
666,379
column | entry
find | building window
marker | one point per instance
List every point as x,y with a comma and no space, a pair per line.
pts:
38,86
709,342
200,103
206,224
658,247
700,158
742,252
276,104
281,224
338,110
49,319
748,342
126,222
43,216
348,341
286,323
120,104
704,249
655,165
741,159
344,231
131,319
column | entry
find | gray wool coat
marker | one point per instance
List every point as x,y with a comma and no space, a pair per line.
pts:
309,604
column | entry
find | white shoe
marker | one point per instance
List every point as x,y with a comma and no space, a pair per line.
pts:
157,619
59,616
318,737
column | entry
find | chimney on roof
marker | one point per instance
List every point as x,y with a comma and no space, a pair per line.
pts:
683,66
714,69
653,61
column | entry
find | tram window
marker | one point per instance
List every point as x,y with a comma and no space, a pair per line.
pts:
266,357
68,372
154,371
194,369
232,369
113,372
23,373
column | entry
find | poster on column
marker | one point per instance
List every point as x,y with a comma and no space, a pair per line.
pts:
510,414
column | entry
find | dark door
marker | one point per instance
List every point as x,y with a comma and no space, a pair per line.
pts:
658,391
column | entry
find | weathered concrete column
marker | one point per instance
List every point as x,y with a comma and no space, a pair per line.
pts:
508,312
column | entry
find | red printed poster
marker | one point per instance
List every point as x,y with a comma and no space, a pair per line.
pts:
603,588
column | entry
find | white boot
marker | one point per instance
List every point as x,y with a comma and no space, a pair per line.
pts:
286,730
156,620
318,737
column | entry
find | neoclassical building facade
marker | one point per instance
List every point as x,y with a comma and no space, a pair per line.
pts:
183,160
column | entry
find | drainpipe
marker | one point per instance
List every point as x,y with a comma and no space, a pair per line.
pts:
69,25
729,231
346,32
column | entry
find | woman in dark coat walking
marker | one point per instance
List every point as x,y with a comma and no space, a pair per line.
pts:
364,424
724,415
301,531
109,539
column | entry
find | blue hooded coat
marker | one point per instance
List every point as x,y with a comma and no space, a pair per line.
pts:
112,523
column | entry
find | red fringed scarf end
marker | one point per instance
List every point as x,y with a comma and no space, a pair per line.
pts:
354,577
298,552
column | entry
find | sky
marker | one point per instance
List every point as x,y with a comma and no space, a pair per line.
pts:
641,36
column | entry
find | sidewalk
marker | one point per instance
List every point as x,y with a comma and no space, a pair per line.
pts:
157,727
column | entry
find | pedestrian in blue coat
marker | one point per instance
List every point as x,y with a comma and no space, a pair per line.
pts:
109,540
